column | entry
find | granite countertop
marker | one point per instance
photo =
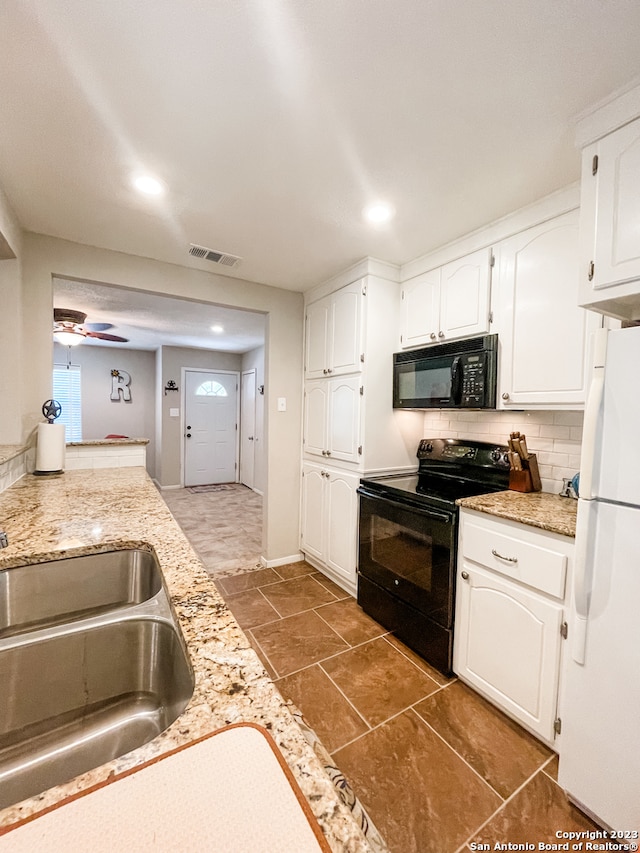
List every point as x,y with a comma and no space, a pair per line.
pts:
107,441
553,513
81,512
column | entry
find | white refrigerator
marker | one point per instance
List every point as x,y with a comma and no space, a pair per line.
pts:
600,694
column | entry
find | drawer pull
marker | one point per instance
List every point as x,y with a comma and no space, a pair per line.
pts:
506,559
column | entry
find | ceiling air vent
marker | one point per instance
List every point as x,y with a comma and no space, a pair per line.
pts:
212,255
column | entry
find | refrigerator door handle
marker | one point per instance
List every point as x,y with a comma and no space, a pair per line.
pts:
592,413
582,577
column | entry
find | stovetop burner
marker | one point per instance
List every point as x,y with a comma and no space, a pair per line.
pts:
449,469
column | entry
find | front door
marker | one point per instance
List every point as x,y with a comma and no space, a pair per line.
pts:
211,407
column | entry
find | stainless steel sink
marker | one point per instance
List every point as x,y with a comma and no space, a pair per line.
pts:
60,591
78,694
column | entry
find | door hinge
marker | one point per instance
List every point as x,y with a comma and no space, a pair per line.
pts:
592,270
359,450
594,165
362,390
564,630
492,262
557,726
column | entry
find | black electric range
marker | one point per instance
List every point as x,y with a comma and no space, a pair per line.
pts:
408,540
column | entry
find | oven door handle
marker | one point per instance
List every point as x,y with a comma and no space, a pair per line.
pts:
386,498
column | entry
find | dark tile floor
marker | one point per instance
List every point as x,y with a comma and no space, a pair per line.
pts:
436,766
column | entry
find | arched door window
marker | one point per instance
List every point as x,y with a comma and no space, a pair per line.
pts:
211,389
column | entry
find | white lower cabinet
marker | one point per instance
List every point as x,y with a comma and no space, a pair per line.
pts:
509,622
330,521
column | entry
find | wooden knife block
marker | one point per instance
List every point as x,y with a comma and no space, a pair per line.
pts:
527,480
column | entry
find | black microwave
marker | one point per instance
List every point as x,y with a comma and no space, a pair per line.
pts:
455,375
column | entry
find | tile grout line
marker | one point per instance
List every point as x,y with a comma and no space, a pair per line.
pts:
257,642
507,801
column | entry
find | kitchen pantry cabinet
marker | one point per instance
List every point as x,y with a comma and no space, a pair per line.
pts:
348,419
509,622
610,212
330,519
449,302
332,418
543,334
333,332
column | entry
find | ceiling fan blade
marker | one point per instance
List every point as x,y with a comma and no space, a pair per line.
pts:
97,327
104,337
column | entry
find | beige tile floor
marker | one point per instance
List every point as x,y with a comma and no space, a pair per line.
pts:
436,766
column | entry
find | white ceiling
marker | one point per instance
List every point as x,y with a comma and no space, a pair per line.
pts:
274,122
149,321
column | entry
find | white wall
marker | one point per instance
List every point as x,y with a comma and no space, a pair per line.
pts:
555,437
45,256
11,364
173,360
254,360
102,416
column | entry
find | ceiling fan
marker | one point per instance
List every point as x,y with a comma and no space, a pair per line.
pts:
70,329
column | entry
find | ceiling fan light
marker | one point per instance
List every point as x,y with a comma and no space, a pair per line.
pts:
68,338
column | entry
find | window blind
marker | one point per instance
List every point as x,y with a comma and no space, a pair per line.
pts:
66,390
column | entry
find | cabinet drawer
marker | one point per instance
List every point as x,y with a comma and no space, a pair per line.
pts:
522,554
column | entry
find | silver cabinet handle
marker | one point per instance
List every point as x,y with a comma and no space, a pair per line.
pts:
465,576
506,559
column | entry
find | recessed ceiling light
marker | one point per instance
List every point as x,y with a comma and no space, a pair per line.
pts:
379,212
217,329
148,185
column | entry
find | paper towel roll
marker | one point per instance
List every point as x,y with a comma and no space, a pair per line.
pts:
50,449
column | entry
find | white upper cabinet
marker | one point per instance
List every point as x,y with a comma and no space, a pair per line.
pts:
464,296
610,263
449,302
333,335
543,333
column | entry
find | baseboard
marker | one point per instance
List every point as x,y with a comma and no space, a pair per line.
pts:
281,561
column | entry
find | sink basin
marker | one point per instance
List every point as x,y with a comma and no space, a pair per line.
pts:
79,695
61,591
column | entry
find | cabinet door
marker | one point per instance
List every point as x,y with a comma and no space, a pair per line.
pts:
316,408
312,534
617,243
343,430
342,524
543,332
345,330
316,332
507,645
420,310
464,296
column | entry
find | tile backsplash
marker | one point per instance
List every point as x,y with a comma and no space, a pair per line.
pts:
555,437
